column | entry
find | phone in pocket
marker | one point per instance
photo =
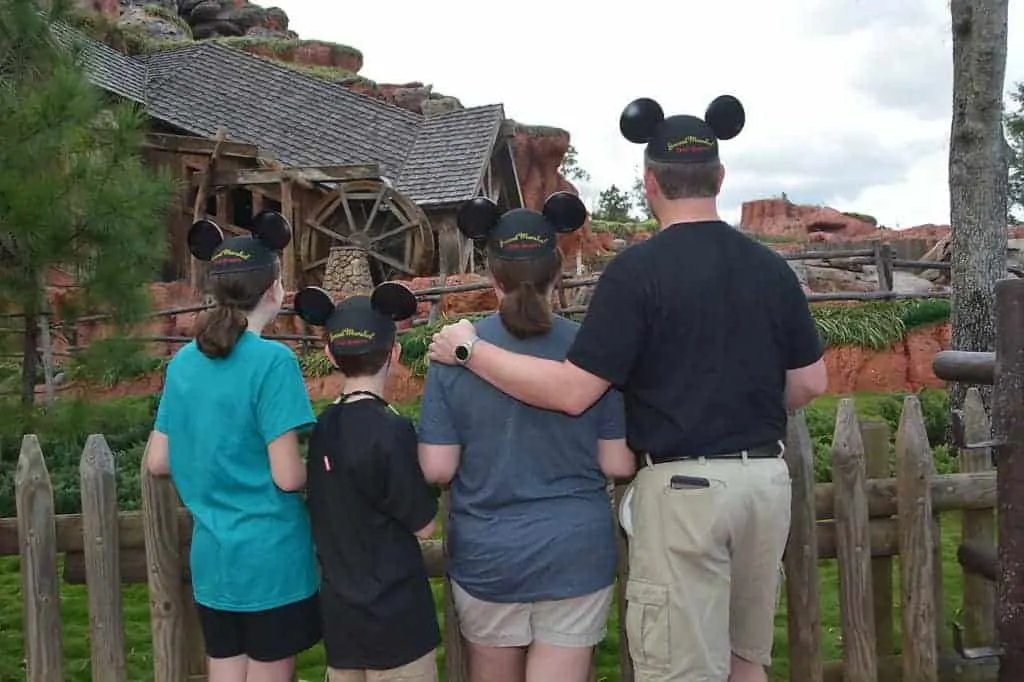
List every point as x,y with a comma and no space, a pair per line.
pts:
688,482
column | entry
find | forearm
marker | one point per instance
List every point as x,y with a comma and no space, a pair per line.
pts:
542,383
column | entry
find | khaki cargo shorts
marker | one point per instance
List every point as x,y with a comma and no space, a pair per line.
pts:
574,622
705,566
423,669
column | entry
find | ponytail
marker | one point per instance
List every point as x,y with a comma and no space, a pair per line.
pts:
218,330
525,312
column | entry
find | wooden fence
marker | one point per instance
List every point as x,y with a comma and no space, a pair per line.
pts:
880,255
864,519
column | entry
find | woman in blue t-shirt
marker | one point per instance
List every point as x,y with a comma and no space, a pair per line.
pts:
226,434
531,534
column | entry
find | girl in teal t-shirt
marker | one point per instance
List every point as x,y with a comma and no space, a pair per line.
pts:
226,433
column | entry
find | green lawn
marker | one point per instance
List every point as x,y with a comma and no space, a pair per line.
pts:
74,612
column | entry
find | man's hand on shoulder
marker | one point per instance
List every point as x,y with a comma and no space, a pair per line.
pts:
443,343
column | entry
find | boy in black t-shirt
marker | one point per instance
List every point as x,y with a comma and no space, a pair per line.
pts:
368,501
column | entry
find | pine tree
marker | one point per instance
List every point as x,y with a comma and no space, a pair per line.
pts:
74,192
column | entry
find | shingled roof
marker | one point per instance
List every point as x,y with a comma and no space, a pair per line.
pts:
301,120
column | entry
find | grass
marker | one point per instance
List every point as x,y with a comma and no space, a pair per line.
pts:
74,615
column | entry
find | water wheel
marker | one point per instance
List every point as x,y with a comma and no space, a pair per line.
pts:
370,215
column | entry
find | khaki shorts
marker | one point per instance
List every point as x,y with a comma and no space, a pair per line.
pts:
575,622
421,670
704,567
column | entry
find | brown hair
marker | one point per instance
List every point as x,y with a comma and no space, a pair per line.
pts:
236,294
365,365
525,309
686,180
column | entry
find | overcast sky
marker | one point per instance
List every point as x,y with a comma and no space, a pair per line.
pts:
848,101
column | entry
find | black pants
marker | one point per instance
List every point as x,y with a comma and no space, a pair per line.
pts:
264,636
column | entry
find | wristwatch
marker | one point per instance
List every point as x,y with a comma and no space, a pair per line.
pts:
463,351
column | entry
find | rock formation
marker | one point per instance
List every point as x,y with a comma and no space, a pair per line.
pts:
781,218
539,151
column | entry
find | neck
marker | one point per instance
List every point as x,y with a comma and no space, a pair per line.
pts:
258,319
687,211
374,384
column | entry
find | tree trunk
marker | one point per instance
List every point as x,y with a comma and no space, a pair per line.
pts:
30,359
978,170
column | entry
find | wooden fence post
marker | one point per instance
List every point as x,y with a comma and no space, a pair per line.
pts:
1008,430
875,435
456,664
40,591
979,595
853,544
917,554
801,559
626,673
882,254
166,583
102,560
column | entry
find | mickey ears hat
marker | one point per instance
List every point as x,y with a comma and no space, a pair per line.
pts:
270,233
682,138
522,233
359,324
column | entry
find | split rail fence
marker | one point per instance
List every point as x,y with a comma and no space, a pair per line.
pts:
881,255
863,519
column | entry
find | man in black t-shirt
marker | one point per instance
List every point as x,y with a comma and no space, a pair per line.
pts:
368,501
709,335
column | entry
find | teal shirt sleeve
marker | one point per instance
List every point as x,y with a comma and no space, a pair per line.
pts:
164,407
282,404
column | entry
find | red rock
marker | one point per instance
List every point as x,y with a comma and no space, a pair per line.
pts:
780,218
483,300
110,8
538,153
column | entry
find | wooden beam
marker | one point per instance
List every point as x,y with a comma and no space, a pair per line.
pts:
186,144
197,270
270,176
133,564
289,257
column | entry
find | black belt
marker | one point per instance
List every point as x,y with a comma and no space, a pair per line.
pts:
772,451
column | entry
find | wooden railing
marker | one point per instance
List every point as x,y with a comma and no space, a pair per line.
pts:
863,519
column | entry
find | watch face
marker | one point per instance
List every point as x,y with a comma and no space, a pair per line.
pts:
461,353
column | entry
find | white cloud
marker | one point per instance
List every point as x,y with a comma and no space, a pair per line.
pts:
848,103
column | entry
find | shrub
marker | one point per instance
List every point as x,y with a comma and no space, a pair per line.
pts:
126,423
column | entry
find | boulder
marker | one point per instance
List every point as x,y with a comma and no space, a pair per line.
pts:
153,25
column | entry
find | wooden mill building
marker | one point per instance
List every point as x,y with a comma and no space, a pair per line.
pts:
244,134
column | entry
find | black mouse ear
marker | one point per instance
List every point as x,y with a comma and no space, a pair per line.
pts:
565,211
478,217
640,120
314,305
272,229
395,300
203,239
726,117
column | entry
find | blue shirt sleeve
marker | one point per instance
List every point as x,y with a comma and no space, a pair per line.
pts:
437,424
612,416
282,404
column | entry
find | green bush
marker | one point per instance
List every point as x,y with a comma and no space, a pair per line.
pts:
885,407
62,432
873,325
126,423
110,361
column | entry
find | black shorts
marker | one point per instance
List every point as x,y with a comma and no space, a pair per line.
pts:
264,636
